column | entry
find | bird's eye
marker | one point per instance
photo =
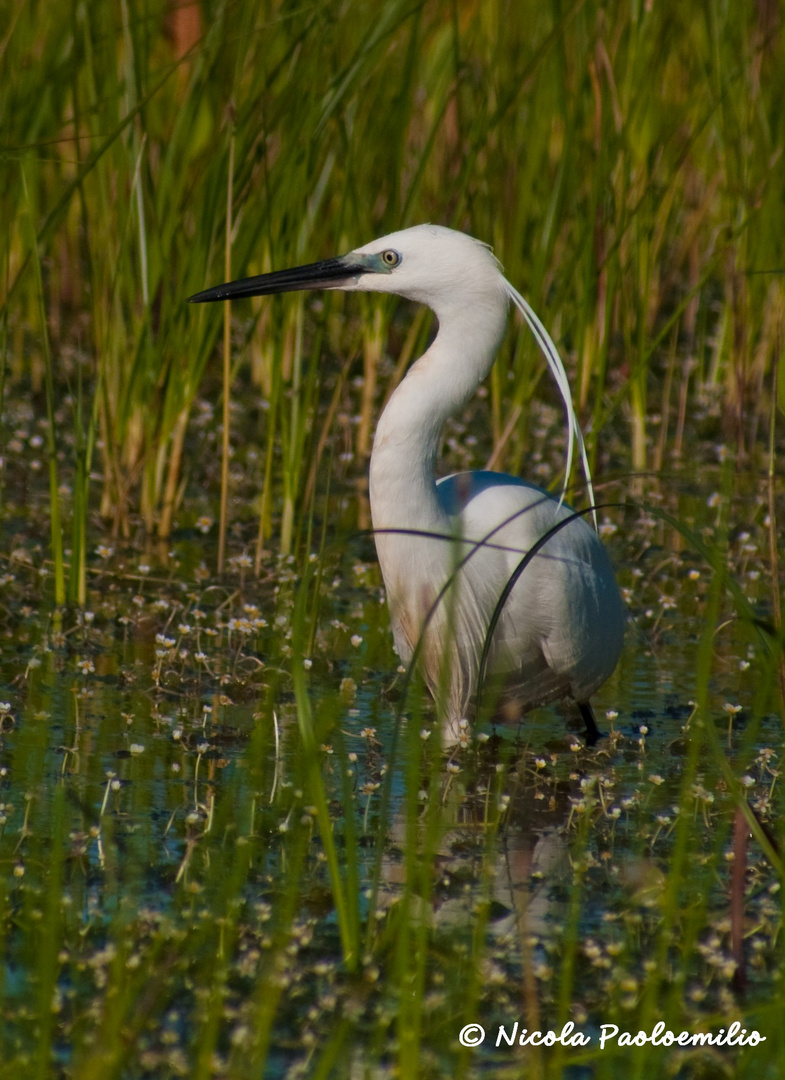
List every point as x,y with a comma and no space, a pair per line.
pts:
390,257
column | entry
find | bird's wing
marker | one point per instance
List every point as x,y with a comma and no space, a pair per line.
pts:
499,510
551,630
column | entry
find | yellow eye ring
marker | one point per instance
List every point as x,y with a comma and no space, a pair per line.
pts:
390,258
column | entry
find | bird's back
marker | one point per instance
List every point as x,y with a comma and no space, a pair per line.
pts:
561,629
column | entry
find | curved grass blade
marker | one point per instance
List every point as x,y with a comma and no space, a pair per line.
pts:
513,578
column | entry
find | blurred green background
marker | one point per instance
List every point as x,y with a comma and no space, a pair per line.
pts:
624,160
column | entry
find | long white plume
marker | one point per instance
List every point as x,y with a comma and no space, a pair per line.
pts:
551,353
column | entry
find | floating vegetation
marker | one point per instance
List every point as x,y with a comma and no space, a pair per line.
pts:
231,842
167,888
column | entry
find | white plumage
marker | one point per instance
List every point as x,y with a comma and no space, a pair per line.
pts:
560,632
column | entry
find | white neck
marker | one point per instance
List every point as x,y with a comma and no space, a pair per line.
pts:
406,445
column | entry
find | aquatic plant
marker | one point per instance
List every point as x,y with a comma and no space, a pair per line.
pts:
229,844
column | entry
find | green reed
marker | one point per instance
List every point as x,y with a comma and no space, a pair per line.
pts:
617,209
56,534
626,164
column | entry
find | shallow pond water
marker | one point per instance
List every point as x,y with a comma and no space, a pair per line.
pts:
167,884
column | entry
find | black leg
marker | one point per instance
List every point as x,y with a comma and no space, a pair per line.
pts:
593,733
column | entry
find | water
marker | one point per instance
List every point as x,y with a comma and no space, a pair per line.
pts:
188,836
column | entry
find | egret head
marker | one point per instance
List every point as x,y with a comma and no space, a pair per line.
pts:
452,273
426,263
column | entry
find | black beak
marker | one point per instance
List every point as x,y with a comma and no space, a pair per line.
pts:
327,274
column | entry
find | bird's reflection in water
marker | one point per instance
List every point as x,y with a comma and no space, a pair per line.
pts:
521,868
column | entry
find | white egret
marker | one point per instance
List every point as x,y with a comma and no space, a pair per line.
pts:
448,547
